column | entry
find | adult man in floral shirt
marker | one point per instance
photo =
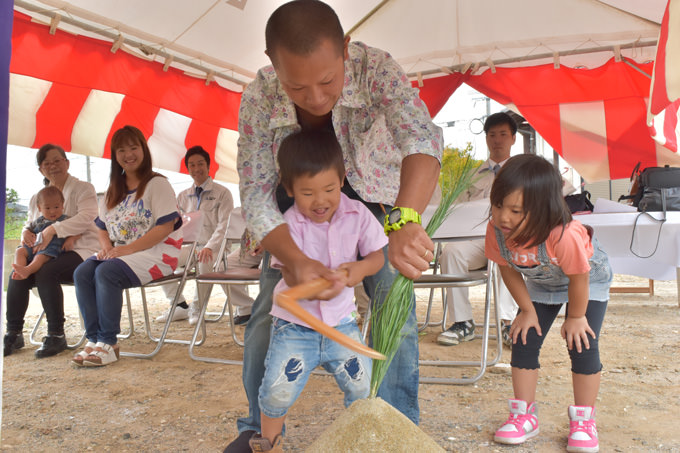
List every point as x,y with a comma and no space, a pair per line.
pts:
392,151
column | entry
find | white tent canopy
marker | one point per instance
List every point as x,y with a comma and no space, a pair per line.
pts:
225,38
595,119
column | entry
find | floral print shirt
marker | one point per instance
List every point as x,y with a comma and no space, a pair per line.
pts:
378,120
131,219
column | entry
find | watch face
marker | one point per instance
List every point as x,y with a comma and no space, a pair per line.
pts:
395,216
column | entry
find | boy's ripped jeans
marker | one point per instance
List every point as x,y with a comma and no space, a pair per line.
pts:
295,351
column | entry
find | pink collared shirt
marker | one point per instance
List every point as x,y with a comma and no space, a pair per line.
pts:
352,231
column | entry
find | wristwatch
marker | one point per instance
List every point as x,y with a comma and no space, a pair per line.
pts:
398,217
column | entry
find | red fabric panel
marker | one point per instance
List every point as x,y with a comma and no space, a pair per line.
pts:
436,91
135,113
539,90
659,96
628,137
58,113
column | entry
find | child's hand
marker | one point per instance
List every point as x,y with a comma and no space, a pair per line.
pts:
353,272
27,238
576,331
47,235
524,321
305,270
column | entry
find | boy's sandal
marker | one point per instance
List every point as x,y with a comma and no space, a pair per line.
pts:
87,350
103,354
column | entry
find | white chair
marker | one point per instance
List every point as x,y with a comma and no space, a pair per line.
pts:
190,230
226,278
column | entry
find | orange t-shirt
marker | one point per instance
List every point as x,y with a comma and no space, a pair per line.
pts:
570,252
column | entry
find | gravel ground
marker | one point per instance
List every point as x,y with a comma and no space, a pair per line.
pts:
172,403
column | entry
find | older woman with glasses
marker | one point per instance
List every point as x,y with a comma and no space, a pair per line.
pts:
80,205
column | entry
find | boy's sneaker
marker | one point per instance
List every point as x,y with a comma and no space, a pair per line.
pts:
522,424
459,331
260,444
582,430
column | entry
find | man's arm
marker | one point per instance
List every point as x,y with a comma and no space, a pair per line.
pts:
421,143
419,176
258,178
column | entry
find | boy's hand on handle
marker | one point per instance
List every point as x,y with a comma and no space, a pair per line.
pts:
524,321
351,274
576,331
410,250
305,270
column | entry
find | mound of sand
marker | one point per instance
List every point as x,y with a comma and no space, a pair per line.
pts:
373,425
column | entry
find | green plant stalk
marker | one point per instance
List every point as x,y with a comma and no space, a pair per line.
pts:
388,320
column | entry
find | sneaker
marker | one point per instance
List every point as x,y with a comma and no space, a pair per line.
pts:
179,315
13,341
505,335
582,430
52,345
194,311
459,331
522,424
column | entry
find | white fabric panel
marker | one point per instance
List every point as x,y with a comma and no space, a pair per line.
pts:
94,122
225,156
167,142
26,95
583,129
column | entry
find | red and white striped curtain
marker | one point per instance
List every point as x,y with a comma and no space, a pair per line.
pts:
74,92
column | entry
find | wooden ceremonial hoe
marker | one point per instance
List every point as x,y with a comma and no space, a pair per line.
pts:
288,300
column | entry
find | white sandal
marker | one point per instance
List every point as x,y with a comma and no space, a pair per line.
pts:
87,350
103,354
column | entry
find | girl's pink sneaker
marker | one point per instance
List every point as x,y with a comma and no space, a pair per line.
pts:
582,430
522,424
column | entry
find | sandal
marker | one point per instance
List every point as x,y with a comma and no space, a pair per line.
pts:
103,354
87,350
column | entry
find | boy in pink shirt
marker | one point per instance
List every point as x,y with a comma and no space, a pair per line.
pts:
341,234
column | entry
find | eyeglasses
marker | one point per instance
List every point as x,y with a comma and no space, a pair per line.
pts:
46,163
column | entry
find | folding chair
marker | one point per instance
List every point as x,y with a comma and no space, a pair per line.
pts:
190,229
489,278
226,278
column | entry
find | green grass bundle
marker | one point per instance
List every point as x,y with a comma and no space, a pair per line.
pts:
387,321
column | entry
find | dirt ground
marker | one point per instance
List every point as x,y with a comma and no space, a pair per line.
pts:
173,403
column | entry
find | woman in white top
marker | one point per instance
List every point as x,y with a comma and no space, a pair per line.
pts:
139,241
80,205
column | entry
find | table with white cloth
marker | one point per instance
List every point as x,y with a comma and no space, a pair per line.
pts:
653,252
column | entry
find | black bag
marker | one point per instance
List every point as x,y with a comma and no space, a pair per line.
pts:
579,202
658,190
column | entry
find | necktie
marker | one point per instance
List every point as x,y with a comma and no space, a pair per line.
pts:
199,190
496,168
